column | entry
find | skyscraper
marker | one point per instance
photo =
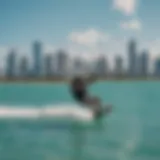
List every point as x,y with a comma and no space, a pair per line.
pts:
37,54
132,58
157,68
62,63
101,66
24,70
77,66
118,66
11,65
48,65
143,63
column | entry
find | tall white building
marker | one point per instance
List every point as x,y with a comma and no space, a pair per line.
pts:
24,67
37,60
143,63
62,63
48,65
11,64
118,70
132,58
101,66
157,67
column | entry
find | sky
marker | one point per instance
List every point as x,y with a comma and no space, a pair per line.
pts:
85,28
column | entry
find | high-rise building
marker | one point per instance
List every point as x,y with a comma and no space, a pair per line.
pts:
81,66
77,66
37,54
11,65
62,63
157,68
143,63
54,64
78,63
101,66
24,70
48,63
132,58
118,66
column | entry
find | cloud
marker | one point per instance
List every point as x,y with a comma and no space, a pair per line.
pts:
133,24
128,7
49,49
88,38
88,49
89,43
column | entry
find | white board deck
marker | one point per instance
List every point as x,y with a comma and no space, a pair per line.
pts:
56,111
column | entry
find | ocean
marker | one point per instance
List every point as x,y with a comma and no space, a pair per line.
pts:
130,132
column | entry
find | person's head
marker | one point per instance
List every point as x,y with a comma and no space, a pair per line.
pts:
78,83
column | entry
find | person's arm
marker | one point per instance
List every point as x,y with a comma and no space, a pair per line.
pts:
91,79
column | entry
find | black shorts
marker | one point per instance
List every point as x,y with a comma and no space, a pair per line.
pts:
80,97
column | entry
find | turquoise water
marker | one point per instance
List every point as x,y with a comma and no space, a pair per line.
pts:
131,132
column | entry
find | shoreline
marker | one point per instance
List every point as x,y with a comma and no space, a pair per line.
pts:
63,80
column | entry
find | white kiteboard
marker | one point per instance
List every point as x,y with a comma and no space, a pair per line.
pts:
76,112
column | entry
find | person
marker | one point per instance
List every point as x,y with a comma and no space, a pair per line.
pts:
79,90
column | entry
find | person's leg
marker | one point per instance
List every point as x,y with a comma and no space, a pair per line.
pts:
94,103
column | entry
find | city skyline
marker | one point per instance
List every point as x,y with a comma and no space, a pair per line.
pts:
60,63
85,28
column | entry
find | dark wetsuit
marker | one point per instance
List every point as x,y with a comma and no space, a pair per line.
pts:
78,89
79,95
